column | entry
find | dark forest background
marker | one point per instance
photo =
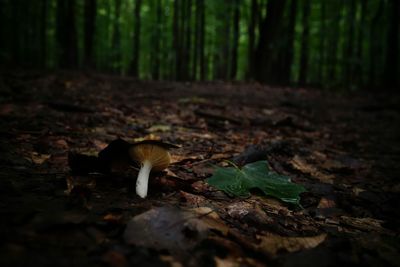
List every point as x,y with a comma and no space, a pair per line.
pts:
322,43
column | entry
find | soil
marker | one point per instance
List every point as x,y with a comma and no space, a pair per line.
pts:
343,148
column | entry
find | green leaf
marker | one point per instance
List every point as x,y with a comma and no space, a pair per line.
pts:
238,182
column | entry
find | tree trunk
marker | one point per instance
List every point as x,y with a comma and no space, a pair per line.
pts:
202,40
252,37
196,49
359,64
289,47
392,51
66,34
234,56
90,19
349,49
222,59
43,34
176,39
188,34
136,40
335,17
183,43
304,43
156,42
269,33
374,44
116,38
322,36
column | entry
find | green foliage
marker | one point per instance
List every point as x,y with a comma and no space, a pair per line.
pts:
349,44
238,182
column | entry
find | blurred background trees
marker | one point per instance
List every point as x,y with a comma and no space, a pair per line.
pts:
321,43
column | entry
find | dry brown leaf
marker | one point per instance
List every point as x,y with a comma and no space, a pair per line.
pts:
178,158
113,218
170,260
226,262
273,244
159,128
114,259
173,229
326,203
39,158
200,186
301,165
193,200
364,224
211,219
61,144
81,181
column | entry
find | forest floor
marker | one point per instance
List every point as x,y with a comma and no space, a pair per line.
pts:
343,148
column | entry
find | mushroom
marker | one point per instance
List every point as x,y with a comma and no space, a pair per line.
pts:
153,156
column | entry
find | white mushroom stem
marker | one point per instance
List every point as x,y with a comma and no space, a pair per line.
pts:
142,182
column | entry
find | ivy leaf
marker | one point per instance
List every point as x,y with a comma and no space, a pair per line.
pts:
238,182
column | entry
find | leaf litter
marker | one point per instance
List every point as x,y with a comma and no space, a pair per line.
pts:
349,208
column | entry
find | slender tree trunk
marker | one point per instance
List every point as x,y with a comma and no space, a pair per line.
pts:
304,43
322,36
43,34
349,48
222,60
332,48
183,43
156,42
392,50
359,66
289,47
116,38
196,50
374,44
269,34
252,37
234,56
136,40
188,39
90,19
66,34
202,41
176,40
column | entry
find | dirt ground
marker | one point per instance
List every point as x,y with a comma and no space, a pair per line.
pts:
343,148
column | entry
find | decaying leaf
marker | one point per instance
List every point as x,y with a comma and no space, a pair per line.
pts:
238,182
159,128
81,182
172,228
301,165
273,244
39,158
363,224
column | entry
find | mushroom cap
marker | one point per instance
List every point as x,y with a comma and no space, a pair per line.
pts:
157,155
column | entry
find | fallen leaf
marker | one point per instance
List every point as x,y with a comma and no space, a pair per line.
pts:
147,137
363,224
159,128
274,244
172,229
193,200
113,218
114,259
61,144
80,181
301,165
192,100
238,182
39,158
227,262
